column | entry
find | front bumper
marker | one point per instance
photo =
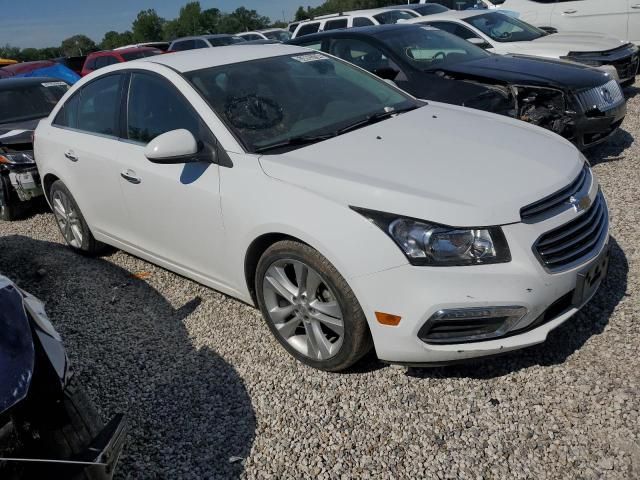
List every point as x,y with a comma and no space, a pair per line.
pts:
625,60
592,130
418,293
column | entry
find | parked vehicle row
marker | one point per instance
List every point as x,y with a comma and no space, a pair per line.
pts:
375,219
580,103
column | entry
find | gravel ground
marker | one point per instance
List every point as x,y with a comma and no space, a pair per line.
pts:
210,394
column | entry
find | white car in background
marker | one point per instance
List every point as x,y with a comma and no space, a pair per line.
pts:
356,18
505,34
354,217
619,18
277,34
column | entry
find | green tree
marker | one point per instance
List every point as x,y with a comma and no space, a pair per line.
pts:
147,27
209,20
114,39
10,52
77,45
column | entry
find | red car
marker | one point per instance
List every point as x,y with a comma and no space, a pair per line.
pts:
98,60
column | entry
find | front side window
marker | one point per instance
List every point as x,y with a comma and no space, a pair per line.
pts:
279,35
308,29
224,41
393,16
30,102
265,102
99,106
429,49
183,45
503,28
360,53
156,107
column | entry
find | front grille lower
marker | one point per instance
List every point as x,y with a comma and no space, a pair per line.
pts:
603,98
547,205
577,241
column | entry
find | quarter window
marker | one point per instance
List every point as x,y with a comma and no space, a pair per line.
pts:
156,107
98,109
68,114
362,22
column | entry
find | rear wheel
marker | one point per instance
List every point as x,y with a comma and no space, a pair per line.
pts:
70,221
310,308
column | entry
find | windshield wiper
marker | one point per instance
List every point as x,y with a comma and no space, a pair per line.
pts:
375,118
295,142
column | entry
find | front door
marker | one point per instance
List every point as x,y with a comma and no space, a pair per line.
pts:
610,16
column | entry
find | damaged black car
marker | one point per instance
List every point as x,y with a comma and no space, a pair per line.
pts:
23,103
580,103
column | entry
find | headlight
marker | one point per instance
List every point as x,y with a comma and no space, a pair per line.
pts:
16,158
429,244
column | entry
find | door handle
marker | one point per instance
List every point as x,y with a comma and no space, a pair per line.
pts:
71,155
130,176
569,12
636,6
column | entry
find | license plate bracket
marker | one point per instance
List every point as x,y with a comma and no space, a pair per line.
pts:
590,279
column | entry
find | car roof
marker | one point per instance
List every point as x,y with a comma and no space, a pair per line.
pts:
203,37
123,50
190,60
454,15
13,82
369,31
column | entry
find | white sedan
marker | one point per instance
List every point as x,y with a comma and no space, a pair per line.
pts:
354,217
505,34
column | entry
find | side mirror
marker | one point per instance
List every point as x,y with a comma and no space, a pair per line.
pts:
176,146
478,42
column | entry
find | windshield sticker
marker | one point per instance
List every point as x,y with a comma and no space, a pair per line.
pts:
54,84
310,57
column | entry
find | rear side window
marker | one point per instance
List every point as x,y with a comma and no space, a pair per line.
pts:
200,44
99,106
335,24
156,107
105,61
91,64
68,114
184,45
308,29
362,22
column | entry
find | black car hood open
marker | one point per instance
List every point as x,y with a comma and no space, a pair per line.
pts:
524,70
18,132
16,346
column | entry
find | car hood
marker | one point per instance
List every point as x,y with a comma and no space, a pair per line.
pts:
16,346
561,44
522,69
440,163
18,132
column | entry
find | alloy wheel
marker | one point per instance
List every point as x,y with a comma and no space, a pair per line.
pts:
303,309
67,218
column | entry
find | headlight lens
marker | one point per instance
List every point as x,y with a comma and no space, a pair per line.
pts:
17,158
428,244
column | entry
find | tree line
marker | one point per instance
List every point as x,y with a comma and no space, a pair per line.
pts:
148,26
336,6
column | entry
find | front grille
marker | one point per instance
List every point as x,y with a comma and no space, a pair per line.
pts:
577,241
603,98
549,204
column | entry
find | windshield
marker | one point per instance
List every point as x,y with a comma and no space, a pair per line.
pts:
30,102
273,100
503,28
223,41
430,9
140,54
393,16
429,49
280,35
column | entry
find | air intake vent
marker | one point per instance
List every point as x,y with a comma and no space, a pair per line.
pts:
577,241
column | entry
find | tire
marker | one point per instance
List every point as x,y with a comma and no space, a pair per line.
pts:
323,307
63,432
71,222
10,204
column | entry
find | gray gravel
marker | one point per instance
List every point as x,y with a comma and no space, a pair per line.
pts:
210,394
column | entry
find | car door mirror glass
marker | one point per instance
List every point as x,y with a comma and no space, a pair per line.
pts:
176,146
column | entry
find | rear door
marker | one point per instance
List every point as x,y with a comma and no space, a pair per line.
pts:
610,16
83,140
633,28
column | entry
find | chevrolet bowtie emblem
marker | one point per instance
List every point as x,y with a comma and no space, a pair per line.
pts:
580,203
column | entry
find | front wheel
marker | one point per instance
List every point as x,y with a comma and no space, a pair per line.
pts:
310,308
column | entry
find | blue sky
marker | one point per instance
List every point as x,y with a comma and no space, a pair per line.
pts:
43,23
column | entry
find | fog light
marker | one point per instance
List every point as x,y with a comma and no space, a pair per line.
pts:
464,325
